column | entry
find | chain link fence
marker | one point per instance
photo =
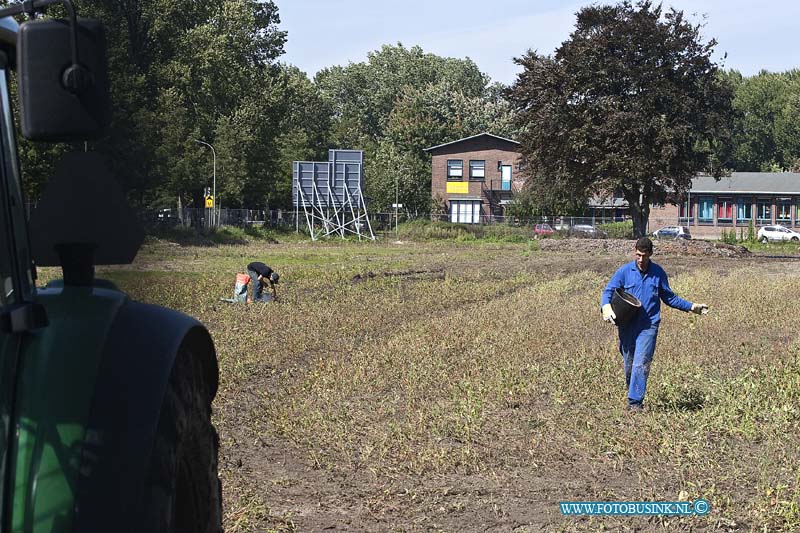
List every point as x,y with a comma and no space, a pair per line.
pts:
587,226
200,218
203,219
380,222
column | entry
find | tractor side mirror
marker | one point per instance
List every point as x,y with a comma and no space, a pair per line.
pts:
62,99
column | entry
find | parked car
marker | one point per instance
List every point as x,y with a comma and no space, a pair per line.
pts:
777,233
543,230
561,225
587,230
167,216
672,232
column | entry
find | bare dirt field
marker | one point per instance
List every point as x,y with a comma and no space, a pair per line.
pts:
448,386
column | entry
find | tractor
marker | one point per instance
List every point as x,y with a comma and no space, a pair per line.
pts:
105,402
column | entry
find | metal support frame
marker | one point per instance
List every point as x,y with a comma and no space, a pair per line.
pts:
338,211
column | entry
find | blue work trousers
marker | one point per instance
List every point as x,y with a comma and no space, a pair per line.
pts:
257,287
637,344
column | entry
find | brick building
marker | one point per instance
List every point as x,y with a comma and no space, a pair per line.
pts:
733,202
475,177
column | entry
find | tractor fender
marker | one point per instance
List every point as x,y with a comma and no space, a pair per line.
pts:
137,359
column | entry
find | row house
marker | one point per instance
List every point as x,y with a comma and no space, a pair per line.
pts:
475,177
735,201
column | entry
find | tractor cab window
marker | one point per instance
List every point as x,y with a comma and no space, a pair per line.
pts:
6,279
16,274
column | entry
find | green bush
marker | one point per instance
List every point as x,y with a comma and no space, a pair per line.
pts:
618,230
728,236
751,232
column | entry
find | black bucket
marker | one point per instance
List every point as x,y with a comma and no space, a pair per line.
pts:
625,306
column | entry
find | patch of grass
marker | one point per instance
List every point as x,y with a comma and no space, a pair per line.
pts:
773,248
425,230
226,235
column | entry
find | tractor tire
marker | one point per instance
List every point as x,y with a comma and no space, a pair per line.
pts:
183,492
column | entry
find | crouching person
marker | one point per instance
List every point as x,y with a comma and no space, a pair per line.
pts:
261,275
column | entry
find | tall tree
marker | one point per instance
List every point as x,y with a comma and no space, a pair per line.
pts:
400,101
363,95
767,134
424,117
787,125
758,101
303,132
217,70
181,70
631,102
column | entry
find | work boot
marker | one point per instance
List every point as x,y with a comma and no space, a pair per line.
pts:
635,407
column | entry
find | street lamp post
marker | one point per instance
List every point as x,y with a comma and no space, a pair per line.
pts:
214,190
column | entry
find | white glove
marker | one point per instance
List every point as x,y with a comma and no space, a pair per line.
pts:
608,314
700,309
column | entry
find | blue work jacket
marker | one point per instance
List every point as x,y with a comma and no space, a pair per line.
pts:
650,287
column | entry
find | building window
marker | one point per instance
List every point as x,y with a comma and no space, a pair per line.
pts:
797,213
744,208
455,169
783,211
706,208
477,170
725,210
505,177
465,211
683,209
764,211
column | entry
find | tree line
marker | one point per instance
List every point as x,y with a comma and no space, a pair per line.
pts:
186,70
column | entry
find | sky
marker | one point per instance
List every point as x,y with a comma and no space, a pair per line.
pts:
322,33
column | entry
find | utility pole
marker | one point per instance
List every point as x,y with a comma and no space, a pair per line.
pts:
689,207
214,192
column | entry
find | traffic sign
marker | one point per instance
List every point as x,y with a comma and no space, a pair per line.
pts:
397,206
209,202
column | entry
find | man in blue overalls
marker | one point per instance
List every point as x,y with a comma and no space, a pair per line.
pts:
637,339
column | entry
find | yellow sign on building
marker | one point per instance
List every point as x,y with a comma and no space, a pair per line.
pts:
457,187
209,202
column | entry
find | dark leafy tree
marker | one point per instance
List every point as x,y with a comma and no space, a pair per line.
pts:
631,102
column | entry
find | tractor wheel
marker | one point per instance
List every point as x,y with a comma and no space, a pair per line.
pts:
183,492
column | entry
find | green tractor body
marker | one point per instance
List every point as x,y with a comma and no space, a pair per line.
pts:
105,402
